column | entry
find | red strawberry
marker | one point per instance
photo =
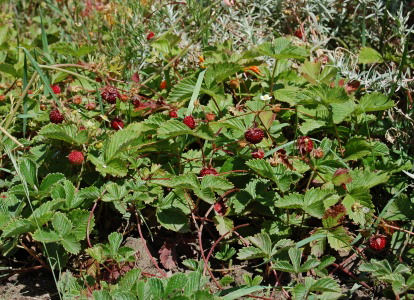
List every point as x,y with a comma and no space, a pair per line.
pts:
377,242
173,114
76,157
189,121
56,89
56,117
298,33
220,208
150,35
90,105
254,135
163,85
258,154
117,124
77,100
305,145
110,94
208,171
124,97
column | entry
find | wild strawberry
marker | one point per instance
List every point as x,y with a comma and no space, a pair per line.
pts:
124,98
90,105
341,177
77,100
234,84
117,124
173,114
2,98
305,145
43,107
56,117
110,94
377,242
190,122
56,89
220,208
298,33
210,117
352,86
208,171
317,153
76,157
254,135
258,154
163,85
150,35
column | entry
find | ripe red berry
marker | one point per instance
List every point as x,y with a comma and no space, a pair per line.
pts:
173,114
124,97
220,208
208,171
305,145
298,33
258,154
110,94
163,85
377,242
76,157
77,100
56,117
189,121
117,124
150,35
254,135
56,89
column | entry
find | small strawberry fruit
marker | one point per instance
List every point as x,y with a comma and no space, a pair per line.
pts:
56,117
56,89
298,33
110,94
90,105
77,100
163,85
173,114
305,145
76,157
254,135
220,208
258,154
377,242
42,107
317,153
190,122
2,98
234,84
117,124
341,177
210,117
124,98
208,171
150,35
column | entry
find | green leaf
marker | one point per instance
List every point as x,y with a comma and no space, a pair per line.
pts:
173,128
374,102
49,181
46,236
119,142
66,133
293,200
28,169
223,225
70,244
262,167
295,255
250,253
175,283
17,227
115,240
284,266
116,167
369,56
217,73
173,219
242,291
80,218
216,183
183,90
61,224
263,242
357,148
339,239
317,200
8,69
326,285
129,279
282,48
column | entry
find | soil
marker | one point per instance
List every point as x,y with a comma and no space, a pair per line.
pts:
36,285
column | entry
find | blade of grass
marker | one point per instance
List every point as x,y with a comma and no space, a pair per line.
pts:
196,92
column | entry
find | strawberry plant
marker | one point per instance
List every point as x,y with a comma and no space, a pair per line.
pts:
166,162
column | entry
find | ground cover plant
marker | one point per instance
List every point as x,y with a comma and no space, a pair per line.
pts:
208,149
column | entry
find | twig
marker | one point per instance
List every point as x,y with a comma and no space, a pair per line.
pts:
89,223
349,273
35,256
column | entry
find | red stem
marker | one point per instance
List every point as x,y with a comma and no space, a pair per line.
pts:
89,223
